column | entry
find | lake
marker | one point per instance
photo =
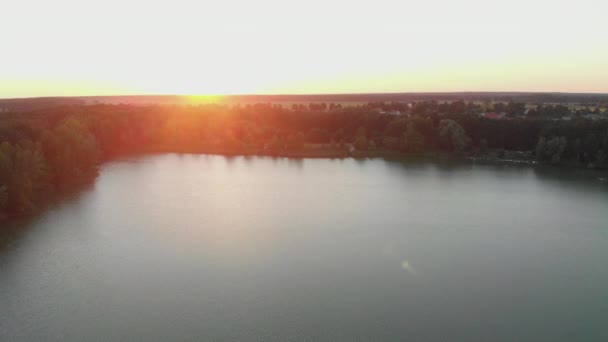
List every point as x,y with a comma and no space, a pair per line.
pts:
209,248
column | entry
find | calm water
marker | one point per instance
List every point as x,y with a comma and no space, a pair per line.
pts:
207,248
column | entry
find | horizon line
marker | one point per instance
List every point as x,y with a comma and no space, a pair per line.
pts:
308,94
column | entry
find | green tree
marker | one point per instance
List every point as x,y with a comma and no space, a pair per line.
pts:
71,150
483,146
3,198
453,135
414,141
275,144
541,146
551,150
601,159
295,141
22,175
361,143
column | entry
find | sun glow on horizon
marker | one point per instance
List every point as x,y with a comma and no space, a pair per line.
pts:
203,99
68,48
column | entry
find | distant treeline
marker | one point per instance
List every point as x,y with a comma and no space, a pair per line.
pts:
47,152
579,99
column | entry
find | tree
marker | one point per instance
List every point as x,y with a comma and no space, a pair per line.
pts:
22,174
453,135
361,143
391,143
318,136
71,150
483,146
3,198
551,150
275,144
540,149
556,147
396,128
295,141
361,132
601,159
591,145
414,141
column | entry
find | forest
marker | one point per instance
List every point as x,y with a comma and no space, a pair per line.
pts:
47,152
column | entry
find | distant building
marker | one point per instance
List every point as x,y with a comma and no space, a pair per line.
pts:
391,112
595,117
493,116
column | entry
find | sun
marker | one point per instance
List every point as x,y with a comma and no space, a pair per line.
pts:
202,99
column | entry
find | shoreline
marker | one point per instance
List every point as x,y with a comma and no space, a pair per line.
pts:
371,154
90,179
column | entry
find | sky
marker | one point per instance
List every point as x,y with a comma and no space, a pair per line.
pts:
114,47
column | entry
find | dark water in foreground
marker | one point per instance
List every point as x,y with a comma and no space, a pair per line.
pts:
207,248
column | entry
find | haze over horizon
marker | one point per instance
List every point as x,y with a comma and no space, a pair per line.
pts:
72,48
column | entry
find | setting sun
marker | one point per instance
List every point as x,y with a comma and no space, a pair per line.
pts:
322,170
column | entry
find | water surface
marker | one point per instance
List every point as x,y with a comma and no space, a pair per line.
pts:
208,248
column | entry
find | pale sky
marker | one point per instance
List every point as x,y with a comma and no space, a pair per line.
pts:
112,47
